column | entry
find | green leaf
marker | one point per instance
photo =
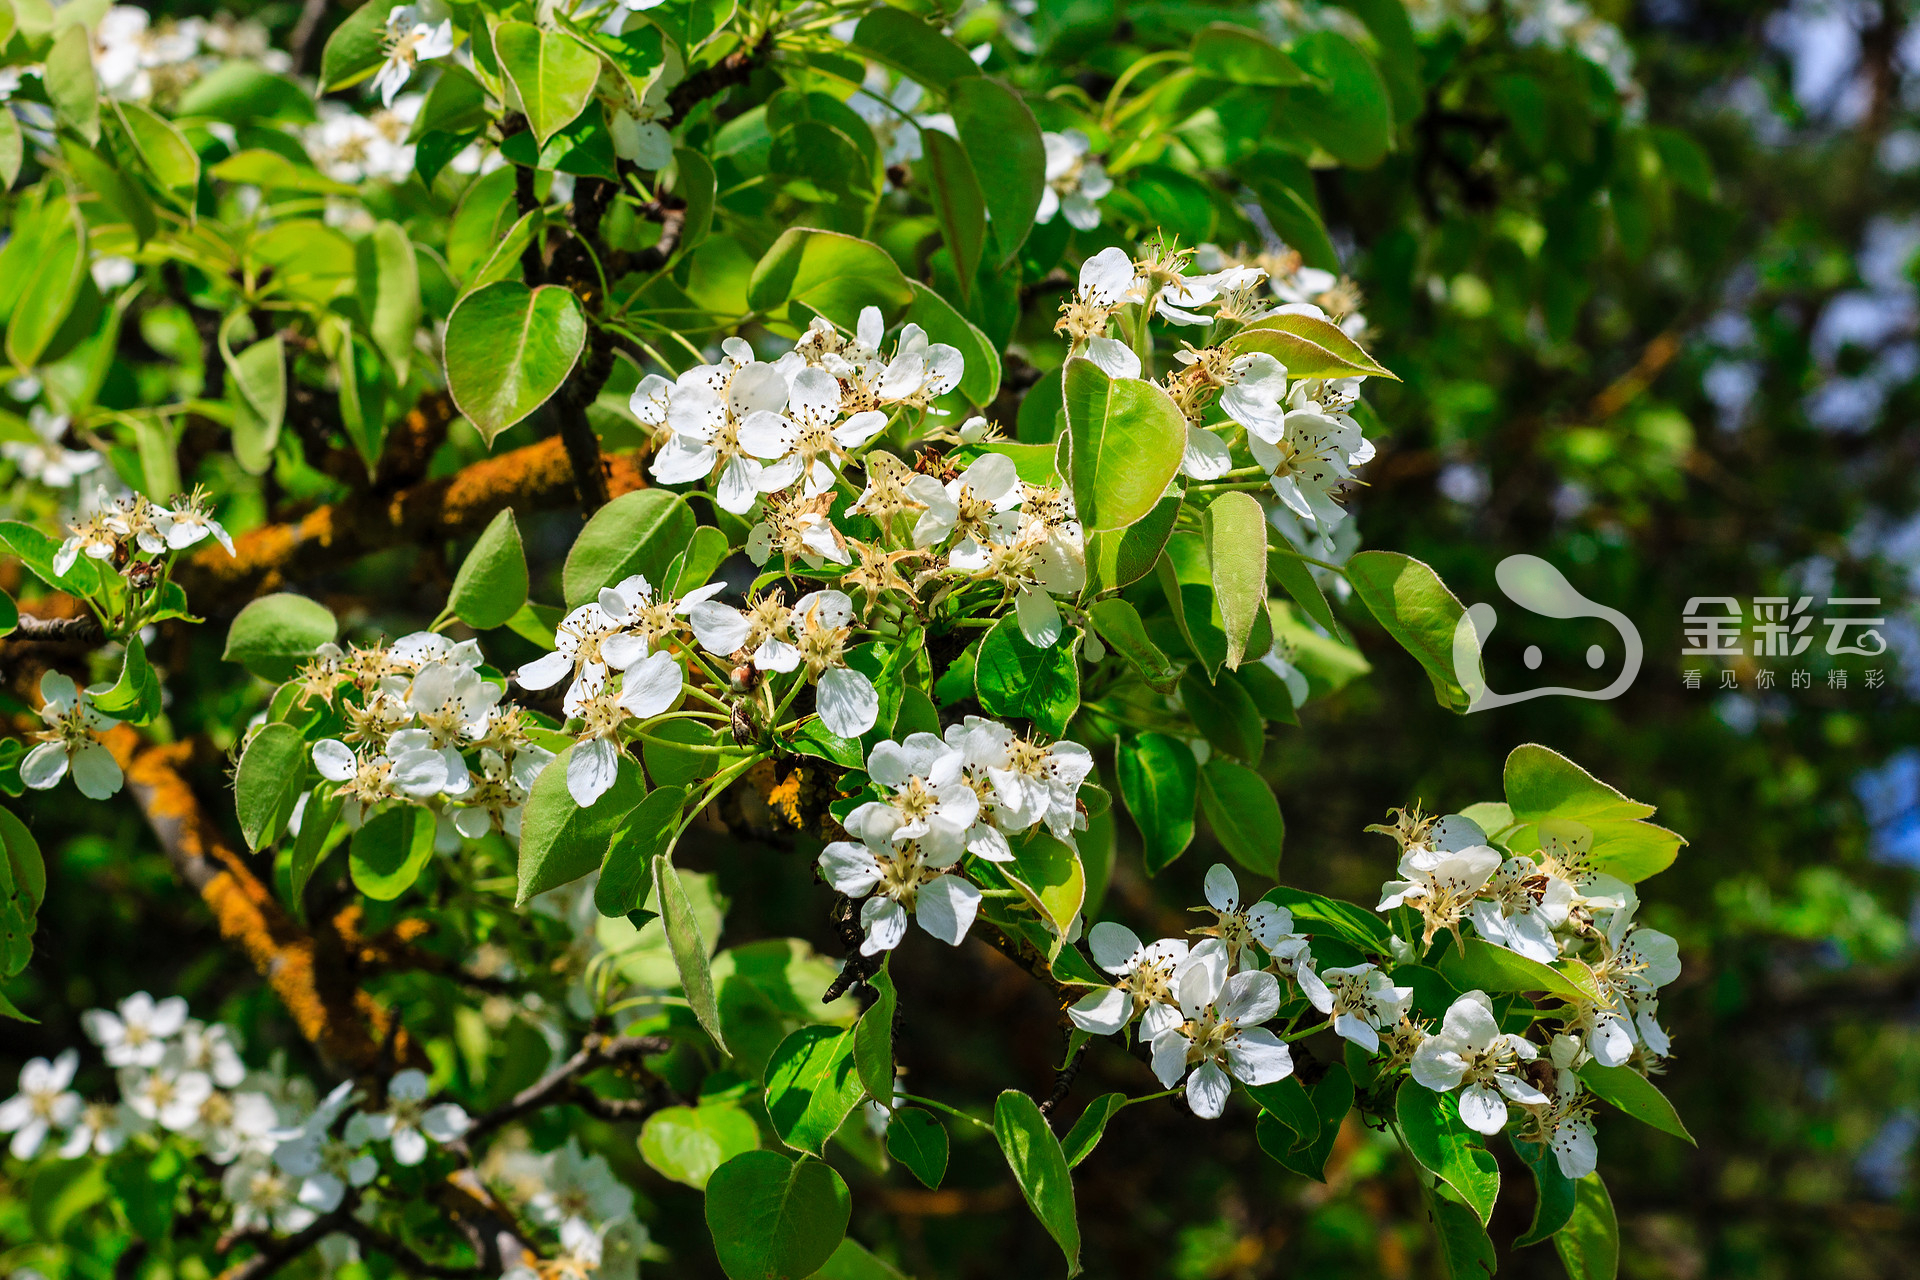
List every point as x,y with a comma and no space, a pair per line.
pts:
1542,784
240,92
919,1141
912,47
873,1041
23,887
1331,1098
1286,1103
1119,559
356,48
259,379
313,843
390,851
1159,782
1309,347
268,781
1128,440
696,566
9,614
954,192
553,72
1636,1095
687,1144
1329,917
690,949
1091,1126
1589,1245
829,273
1040,1167
1013,677
135,697
395,315
1296,579
1009,157
71,86
13,154
1222,51
1349,112
125,200
1495,969
49,293
813,1085
1444,1145
1224,713
560,841
275,634
852,1261
640,532
492,583
508,349
773,1218
1118,624
1235,529
1047,872
1465,1248
456,103
1244,814
1553,1198
626,874
980,382
1418,611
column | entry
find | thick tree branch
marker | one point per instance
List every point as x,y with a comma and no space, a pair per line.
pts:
350,1032
537,476
82,629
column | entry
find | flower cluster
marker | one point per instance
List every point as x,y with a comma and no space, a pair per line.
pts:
577,1196
939,801
1298,432
122,530
138,58
424,724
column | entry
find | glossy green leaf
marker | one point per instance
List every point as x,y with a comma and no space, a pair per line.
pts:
1239,56
1554,1192
1542,784
70,83
1316,915
1443,1144
640,532
1159,783
691,950
1128,440
1040,1168
1119,559
135,696
1091,1126
918,1140
626,873
912,47
829,273
1118,624
560,841
773,1218
48,295
275,634
553,72
1417,610
1225,714
687,1144
873,1041
1294,577
268,781
980,383
1465,1248
1490,968
1636,1095
258,376
492,582
390,851
1309,347
813,1085
356,48
1009,157
958,204
1013,677
1348,111
395,314
1235,529
508,349
313,844
1244,815
166,151
13,151
1589,1245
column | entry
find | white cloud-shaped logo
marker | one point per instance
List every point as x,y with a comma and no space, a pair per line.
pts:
1538,587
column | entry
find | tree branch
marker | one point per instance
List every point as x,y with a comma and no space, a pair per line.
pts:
346,1027
597,1051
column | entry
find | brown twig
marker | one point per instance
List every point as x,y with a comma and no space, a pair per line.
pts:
84,629
554,1087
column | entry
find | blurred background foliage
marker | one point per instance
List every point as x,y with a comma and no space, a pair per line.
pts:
1665,339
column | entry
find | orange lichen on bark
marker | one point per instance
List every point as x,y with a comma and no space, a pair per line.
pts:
263,559
348,1028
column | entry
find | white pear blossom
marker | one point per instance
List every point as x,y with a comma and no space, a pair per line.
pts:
705,413
210,1047
231,1125
1311,455
165,1096
1361,1001
408,1122
1076,181
577,643
762,633
846,700
930,801
326,1166
46,459
977,507
1240,924
579,1188
904,878
264,1196
1470,1053
412,38
136,1033
1145,987
1219,1039
68,742
1521,906
44,1105
189,523
101,1129
1441,885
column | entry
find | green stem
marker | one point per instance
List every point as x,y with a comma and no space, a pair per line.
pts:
955,1112
1303,1034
